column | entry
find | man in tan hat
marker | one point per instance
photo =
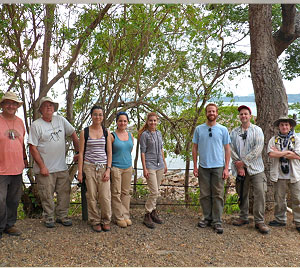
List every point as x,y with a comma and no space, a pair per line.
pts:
47,146
284,150
12,162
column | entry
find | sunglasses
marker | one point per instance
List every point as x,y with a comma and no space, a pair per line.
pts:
244,135
210,133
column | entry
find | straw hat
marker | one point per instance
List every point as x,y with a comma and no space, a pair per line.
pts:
285,119
11,96
50,100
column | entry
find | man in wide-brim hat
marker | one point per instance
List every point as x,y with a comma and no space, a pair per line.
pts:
12,162
47,142
284,150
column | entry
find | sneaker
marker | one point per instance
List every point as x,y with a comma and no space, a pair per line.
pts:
97,228
148,221
218,228
262,228
122,224
128,221
65,222
204,223
106,227
155,218
49,224
12,231
275,223
239,222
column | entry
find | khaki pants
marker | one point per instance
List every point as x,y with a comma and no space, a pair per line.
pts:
98,193
211,193
56,182
153,182
259,183
280,200
120,192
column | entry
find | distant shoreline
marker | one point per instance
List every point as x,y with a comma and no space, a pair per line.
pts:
292,98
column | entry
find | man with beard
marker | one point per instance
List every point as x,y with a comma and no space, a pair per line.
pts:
210,141
247,143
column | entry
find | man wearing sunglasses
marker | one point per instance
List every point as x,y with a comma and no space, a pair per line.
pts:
210,141
247,142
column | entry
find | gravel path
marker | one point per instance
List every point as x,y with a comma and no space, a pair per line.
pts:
178,242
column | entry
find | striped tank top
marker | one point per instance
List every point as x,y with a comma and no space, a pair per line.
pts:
95,151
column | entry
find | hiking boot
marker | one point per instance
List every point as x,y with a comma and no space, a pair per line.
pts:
262,228
239,222
122,224
275,223
204,223
218,228
0,235
49,224
97,228
128,221
154,217
298,228
65,222
12,231
106,227
148,221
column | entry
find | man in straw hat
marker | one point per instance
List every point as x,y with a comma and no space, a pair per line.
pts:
47,146
284,150
247,143
12,162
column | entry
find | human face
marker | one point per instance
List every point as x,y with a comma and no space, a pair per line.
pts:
152,123
284,127
47,109
122,122
97,116
9,107
211,113
245,116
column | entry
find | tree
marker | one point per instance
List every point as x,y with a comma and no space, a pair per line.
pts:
266,47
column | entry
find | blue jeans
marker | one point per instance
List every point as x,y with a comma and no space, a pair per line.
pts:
10,195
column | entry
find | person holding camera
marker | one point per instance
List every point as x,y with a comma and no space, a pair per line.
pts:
284,150
247,142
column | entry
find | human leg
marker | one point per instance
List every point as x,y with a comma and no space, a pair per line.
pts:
205,193
4,182
125,191
295,196
116,193
280,201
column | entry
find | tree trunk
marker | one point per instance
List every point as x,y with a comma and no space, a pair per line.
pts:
270,93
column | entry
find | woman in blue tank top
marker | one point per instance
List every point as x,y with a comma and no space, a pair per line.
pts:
121,172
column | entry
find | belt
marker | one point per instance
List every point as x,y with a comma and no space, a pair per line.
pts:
98,165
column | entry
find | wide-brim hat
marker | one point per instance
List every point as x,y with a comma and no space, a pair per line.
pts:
11,96
291,121
44,99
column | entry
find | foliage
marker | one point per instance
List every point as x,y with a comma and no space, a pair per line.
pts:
231,204
21,213
141,189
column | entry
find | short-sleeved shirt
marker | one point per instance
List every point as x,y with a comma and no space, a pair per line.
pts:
151,145
11,150
49,138
211,149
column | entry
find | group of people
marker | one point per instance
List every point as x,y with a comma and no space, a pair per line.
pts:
105,165
214,145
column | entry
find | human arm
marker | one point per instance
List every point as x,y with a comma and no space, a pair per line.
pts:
234,145
145,170
75,140
195,154
80,157
227,159
106,175
39,160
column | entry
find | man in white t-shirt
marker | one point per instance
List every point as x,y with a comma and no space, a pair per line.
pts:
47,146
284,150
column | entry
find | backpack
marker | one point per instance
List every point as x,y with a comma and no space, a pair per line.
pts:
86,136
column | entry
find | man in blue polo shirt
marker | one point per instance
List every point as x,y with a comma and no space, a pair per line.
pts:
210,141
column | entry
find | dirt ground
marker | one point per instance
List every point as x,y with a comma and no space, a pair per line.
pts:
177,242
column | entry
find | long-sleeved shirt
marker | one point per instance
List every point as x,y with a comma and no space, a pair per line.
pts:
253,146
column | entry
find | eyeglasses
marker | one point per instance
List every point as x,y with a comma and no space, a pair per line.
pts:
210,133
